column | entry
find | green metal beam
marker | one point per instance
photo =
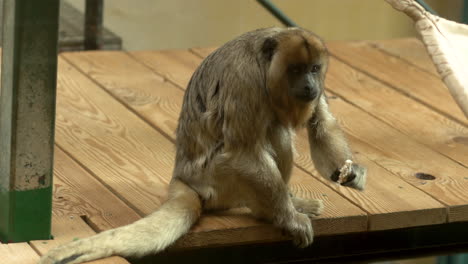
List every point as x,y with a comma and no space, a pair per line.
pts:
27,118
275,11
427,7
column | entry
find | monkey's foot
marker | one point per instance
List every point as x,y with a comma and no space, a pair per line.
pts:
310,207
301,230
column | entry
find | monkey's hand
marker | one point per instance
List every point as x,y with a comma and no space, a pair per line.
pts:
351,174
301,230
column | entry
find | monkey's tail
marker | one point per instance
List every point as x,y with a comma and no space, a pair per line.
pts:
146,236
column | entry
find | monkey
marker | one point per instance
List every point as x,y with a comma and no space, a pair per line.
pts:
234,145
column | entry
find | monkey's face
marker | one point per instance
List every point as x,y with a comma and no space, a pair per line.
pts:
304,81
298,66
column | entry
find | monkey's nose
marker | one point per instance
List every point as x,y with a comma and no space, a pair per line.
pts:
311,92
308,93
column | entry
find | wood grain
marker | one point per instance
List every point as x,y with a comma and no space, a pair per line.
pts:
68,229
411,50
408,116
390,201
105,68
404,77
77,193
146,93
176,66
128,156
404,157
18,253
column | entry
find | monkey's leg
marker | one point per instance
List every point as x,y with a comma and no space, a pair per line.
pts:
329,148
269,196
310,207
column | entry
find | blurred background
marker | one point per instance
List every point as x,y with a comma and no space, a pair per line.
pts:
165,24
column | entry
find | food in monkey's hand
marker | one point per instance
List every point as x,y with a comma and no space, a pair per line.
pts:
345,171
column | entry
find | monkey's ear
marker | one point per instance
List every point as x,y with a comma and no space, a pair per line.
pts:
269,47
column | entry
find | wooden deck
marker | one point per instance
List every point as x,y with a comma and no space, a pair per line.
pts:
117,112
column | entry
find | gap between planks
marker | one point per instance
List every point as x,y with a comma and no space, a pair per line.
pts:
99,67
77,193
163,132
18,253
403,77
410,50
410,117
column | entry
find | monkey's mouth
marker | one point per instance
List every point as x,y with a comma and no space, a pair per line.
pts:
307,95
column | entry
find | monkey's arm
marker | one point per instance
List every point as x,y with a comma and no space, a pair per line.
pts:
329,148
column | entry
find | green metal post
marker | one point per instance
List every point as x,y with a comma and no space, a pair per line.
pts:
27,118
465,12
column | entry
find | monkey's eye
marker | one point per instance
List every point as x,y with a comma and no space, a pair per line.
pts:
316,68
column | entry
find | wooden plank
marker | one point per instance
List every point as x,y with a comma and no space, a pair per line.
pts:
67,229
154,98
406,78
392,199
106,68
113,143
411,50
176,66
77,193
18,253
404,157
408,116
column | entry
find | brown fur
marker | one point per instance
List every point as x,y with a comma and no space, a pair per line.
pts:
235,144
